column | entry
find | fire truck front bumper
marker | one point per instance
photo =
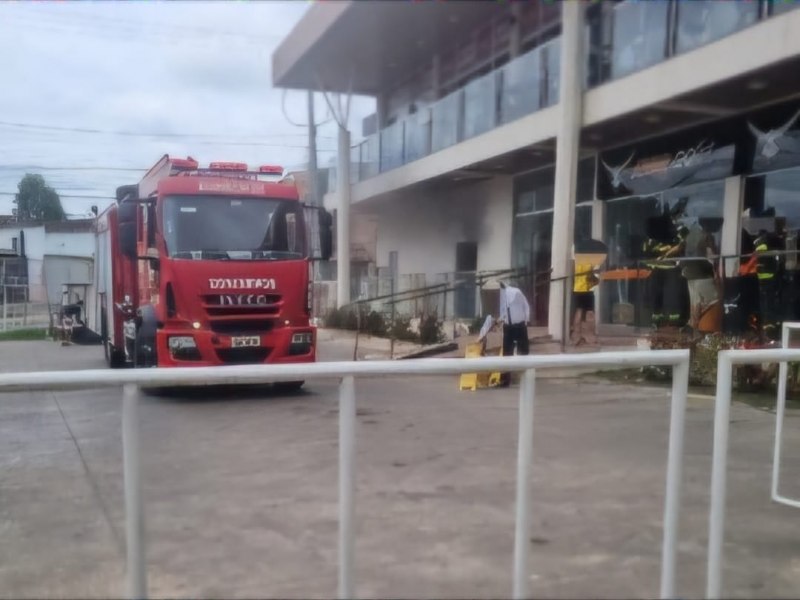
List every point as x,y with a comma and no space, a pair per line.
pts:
182,348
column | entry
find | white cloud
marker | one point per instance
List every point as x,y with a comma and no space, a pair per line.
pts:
146,67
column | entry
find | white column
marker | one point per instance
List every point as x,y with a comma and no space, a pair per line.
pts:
343,220
598,233
730,243
567,147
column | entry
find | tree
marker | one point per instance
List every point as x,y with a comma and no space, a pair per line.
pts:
37,201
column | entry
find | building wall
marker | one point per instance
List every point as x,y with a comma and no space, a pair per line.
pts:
69,244
424,228
38,244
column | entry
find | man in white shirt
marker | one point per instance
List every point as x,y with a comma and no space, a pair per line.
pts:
515,313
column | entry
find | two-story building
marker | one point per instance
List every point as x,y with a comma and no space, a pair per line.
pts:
505,131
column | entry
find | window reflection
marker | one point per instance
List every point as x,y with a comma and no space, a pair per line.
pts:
703,21
697,209
640,35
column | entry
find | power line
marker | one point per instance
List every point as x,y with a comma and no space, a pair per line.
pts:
90,130
70,196
137,28
40,168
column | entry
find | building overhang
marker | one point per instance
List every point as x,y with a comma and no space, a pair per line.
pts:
366,47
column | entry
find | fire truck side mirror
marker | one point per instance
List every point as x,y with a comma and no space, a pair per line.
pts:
127,214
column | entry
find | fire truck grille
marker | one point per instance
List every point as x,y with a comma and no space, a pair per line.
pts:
241,326
220,305
243,356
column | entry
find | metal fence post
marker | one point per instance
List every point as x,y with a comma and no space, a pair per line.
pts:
672,494
524,460
716,527
347,485
134,508
780,410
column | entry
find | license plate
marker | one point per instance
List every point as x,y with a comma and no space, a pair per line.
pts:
245,341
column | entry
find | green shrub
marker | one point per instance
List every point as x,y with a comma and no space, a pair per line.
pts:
430,330
401,330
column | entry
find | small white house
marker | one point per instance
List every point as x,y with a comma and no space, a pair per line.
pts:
56,254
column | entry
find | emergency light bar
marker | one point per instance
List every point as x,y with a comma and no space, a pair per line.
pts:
184,163
271,169
227,166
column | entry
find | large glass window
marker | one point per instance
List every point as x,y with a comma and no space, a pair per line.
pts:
480,105
520,86
418,135
629,224
703,21
640,35
225,228
446,115
776,195
392,139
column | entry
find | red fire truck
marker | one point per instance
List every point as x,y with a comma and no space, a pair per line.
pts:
207,266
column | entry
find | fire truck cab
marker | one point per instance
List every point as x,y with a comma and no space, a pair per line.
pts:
208,266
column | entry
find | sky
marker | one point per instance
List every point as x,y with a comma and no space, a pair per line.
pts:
145,78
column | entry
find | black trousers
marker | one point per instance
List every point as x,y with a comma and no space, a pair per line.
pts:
518,332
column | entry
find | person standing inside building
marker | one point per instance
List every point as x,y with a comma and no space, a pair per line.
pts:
767,270
583,300
668,288
515,313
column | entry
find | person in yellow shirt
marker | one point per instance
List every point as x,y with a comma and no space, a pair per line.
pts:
583,300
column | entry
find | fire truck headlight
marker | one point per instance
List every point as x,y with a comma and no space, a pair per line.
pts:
183,342
301,338
301,343
183,347
196,325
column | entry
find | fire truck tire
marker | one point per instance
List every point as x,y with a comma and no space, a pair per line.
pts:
114,357
289,386
145,344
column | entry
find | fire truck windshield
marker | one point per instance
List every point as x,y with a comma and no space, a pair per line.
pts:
231,228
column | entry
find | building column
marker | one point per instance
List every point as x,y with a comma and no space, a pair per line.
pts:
732,205
570,118
343,220
598,233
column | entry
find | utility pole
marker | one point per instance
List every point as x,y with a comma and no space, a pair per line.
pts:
313,187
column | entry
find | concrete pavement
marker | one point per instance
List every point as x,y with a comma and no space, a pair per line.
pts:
240,491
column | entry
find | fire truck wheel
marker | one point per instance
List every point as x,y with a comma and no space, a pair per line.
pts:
289,386
115,358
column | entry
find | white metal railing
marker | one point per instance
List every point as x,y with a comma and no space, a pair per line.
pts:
722,404
133,380
780,411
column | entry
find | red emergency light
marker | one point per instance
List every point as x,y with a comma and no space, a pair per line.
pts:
228,166
271,169
184,163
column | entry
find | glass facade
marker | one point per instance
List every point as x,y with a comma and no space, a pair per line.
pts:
418,135
701,22
445,121
480,105
520,86
633,223
640,35
392,139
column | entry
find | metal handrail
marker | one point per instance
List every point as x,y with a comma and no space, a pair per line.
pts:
133,380
726,359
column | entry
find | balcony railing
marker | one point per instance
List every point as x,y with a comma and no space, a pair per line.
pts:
633,35
519,88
